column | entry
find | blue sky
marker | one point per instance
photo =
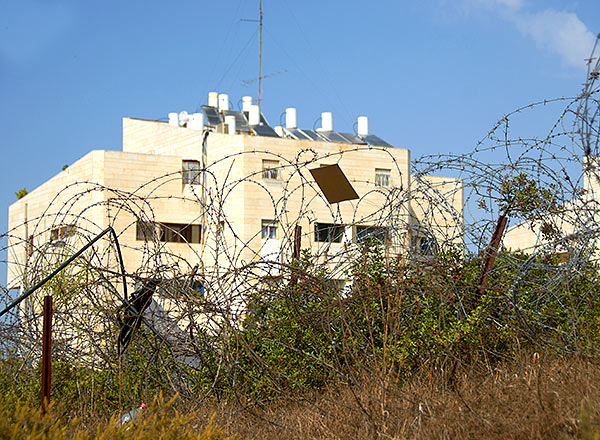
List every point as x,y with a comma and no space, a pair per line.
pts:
432,75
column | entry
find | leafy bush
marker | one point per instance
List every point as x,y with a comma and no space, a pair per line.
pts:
289,334
401,315
306,334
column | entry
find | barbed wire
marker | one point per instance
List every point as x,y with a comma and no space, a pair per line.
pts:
196,320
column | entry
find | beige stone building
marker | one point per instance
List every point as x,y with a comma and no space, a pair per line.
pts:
220,191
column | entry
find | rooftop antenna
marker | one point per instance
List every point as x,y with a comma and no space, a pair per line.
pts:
246,82
260,54
260,20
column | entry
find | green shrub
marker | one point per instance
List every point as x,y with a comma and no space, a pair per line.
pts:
289,334
402,315
305,334
21,193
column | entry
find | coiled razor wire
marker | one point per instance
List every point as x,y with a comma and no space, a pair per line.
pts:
89,302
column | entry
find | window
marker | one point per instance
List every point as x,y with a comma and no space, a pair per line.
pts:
337,285
327,232
364,233
169,232
426,246
62,232
180,233
270,169
145,231
191,172
382,177
269,229
197,287
562,257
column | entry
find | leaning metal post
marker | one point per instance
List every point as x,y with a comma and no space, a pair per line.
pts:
66,263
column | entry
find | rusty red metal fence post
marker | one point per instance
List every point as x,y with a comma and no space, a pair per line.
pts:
296,252
46,352
491,253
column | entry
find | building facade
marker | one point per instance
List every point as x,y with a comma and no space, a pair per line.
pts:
219,191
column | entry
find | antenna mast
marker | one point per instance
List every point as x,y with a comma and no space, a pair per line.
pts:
260,55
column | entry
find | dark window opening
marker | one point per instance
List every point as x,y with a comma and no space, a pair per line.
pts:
191,172
269,229
327,232
145,231
563,256
198,287
382,177
169,232
364,233
337,285
179,233
270,169
426,246
62,232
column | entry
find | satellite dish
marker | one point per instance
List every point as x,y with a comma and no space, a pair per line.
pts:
182,118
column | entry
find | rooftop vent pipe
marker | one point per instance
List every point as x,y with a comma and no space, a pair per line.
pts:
223,102
326,121
291,120
363,125
230,123
213,99
246,103
174,119
254,115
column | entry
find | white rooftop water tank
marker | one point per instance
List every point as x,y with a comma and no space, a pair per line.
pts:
254,115
230,123
196,121
291,120
223,102
327,121
363,125
246,103
213,99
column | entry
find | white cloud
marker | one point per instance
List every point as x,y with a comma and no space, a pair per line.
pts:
559,32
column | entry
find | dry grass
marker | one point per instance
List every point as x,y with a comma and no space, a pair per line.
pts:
534,396
160,421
